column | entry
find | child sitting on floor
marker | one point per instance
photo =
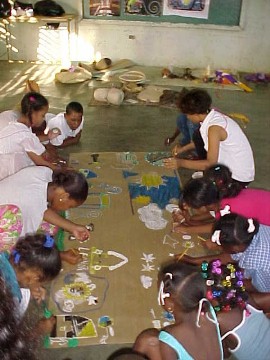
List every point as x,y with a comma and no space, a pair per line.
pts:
195,334
19,147
215,194
246,242
37,195
67,127
33,261
189,131
223,139
212,288
245,330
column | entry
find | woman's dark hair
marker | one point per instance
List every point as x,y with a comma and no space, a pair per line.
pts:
73,182
32,252
221,175
236,230
74,106
196,101
185,284
31,102
16,337
200,192
182,93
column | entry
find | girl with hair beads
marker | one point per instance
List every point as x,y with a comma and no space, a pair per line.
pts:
224,140
19,147
33,261
216,194
37,195
245,242
245,329
195,334
212,288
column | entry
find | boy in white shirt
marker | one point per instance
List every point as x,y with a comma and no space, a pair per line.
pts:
69,126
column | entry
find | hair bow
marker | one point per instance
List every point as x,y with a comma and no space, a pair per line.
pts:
216,267
16,256
216,237
49,242
161,294
225,211
251,226
217,293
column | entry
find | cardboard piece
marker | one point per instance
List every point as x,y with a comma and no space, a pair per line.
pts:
115,286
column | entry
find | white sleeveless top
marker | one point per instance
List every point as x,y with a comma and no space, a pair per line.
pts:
234,152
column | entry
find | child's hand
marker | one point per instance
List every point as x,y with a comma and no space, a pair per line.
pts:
187,259
45,326
172,163
178,216
52,133
38,293
168,141
80,232
71,256
176,150
180,229
210,245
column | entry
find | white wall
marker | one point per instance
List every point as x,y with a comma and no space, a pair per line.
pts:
246,49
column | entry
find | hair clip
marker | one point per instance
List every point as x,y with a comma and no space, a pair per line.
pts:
216,267
16,256
217,168
251,226
204,266
161,294
217,293
226,283
170,275
216,236
209,295
32,99
210,282
49,242
225,210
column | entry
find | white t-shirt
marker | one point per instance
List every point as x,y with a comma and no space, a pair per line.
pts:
16,139
27,189
59,121
234,152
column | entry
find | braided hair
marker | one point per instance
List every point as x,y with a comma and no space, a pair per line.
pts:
235,229
32,252
225,288
221,176
184,284
200,192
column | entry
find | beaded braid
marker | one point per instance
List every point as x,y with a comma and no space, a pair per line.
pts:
225,288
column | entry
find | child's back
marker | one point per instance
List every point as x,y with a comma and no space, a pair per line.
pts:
251,203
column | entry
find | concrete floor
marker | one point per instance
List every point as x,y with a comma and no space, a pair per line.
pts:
133,128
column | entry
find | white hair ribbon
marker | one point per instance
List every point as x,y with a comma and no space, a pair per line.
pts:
216,237
251,226
214,321
225,211
161,294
